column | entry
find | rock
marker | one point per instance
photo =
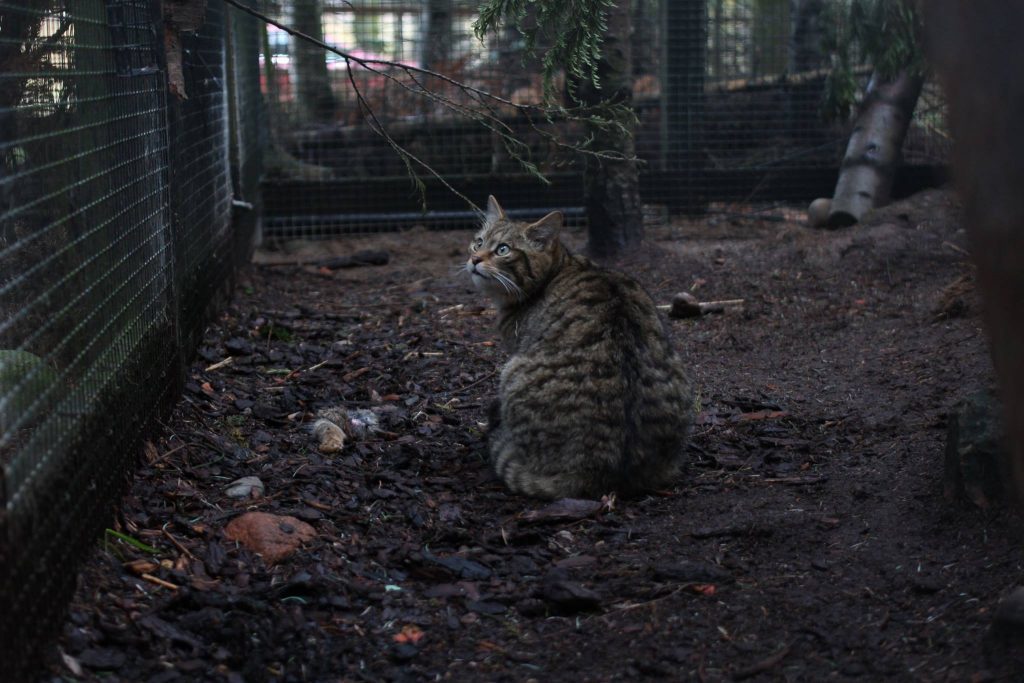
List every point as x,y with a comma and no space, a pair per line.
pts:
565,596
246,487
485,607
976,466
569,597
330,435
274,537
362,422
103,658
684,305
460,566
818,211
238,346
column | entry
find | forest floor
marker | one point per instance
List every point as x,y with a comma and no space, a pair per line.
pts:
809,539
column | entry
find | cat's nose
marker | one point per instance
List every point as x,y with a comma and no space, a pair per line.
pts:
474,259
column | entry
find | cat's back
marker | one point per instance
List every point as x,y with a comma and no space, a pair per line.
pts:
586,303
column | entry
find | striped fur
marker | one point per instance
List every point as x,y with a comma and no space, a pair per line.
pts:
593,399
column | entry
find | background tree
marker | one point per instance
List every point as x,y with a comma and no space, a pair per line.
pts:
887,34
316,100
437,46
771,21
591,41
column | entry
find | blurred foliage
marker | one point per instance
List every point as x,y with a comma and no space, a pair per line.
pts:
575,29
884,34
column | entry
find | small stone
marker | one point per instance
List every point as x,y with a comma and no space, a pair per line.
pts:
246,487
685,305
818,211
485,607
403,652
330,435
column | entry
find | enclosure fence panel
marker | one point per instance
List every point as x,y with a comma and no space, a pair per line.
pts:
729,96
115,231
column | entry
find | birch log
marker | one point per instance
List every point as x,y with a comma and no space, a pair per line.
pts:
868,169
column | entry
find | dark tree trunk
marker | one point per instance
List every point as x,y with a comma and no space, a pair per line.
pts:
313,84
806,48
644,44
612,188
977,50
437,48
771,32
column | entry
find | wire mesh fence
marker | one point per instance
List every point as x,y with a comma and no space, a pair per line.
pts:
116,228
728,94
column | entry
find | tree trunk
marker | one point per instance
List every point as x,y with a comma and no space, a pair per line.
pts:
612,188
771,27
316,101
806,51
977,51
868,169
437,47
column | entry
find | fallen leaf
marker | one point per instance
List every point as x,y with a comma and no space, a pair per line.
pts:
566,509
762,415
410,633
703,588
140,567
207,389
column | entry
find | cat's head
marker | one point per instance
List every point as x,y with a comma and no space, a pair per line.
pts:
509,259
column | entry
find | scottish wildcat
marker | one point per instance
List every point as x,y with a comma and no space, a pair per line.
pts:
593,399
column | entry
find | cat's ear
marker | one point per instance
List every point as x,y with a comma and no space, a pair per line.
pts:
494,211
546,229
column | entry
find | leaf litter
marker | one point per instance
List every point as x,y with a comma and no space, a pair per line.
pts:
793,546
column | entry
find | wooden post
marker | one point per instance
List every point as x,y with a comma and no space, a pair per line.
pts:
976,48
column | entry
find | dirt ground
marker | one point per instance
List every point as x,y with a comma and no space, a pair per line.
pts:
808,540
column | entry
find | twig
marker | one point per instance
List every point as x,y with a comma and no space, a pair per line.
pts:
795,481
158,581
638,605
177,543
956,248
765,664
475,382
220,364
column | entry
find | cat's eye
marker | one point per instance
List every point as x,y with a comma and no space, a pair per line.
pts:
503,250
478,242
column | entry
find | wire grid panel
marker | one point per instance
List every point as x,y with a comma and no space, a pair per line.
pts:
729,96
335,122
84,257
116,230
85,276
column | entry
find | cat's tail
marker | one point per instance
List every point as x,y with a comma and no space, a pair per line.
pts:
521,479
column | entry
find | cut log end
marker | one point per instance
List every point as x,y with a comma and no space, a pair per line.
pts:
841,219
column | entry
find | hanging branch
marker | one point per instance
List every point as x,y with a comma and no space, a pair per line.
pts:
484,109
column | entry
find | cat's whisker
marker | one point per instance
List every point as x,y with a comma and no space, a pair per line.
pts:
510,286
